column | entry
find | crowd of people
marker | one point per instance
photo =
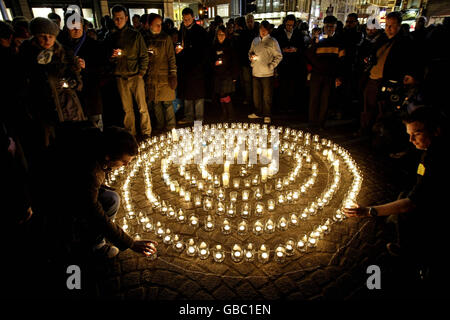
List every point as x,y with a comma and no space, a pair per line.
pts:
54,79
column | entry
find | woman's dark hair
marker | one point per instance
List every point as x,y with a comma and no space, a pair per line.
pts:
330,19
152,17
220,28
118,142
168,23
117,8
6,30
240,21
266,25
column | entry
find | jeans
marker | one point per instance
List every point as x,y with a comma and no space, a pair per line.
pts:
165,116
262,95
110,201
321,89
189,106
129,88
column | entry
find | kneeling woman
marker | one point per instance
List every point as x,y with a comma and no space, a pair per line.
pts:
225,71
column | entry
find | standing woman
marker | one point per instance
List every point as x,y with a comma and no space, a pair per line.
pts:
225,71
161,80
265,55
51,78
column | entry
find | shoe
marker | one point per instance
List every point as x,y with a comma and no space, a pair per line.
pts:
106,250
184,121
393,249
267,120
253,116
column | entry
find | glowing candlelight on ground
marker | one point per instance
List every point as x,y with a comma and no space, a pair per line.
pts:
225,179
236,253
226,227
242,228
269,227
263,254
191,248
218,253
203,251
282,224
209,223
249,253
258,227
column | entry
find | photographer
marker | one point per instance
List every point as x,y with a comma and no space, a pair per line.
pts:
391,62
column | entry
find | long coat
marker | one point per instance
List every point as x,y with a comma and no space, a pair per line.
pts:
227,71
162,64
193,63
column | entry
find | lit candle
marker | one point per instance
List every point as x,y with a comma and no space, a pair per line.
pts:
207,204
294,219
245,210
193,221
236,253
245,195
269,227
279,185
191,248
255,180
247,183
312,242
198,200
233,196
181,218
264,172
257,193
226,167
209,223
280,254
220,194
242,228
226,179
187,196
178,245
290,247
270,204
259,208
249,253
168,237
226,227
236,183
282,224
220,208
171,213
218,253
258,228
231,209
263,254
203,250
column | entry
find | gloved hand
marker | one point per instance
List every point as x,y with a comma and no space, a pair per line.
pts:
173,82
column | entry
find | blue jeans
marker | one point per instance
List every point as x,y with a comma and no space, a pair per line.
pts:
110,201
189,106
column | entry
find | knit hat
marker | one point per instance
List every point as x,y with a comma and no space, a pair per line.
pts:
43,25
372,23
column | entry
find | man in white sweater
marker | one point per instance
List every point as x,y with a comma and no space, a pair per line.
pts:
265,55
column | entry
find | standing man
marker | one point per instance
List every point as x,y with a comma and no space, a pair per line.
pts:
192,59
325,56
130,59
161,79
265,55
292,68
242,43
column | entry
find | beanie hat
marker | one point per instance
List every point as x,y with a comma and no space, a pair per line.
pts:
372,23
43,25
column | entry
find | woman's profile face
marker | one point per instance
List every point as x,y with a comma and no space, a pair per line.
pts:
221,36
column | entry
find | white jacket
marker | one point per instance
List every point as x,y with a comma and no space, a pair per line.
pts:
268,56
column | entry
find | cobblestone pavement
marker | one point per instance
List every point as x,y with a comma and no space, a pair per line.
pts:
336,269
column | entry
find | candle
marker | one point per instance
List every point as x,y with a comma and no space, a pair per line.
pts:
270,204
312,242
225,179
187,196
167,239
279,185
269,227
255,180
198,200
259,208
226,227
249,253
178,245
242,228
282,224
280,254
290,247
236,183
245,210
193,221
257,193
258,228
294,219
191,248
264,172
203,250
181,218
220,194
236,253
226,167
263,254
220,208
209,223
245,195
233,196
171,213
231,209
247,183
218,253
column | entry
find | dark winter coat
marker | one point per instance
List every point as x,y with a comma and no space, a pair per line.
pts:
227,70
193,62
293,63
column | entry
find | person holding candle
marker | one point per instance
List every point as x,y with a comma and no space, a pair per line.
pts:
225,71
413,214
130,60
265,55
80,214
161,79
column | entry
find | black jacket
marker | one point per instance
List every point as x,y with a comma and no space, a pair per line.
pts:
293,62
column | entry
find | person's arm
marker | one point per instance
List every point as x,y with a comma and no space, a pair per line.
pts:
277,56
143,55
391,208
172,63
